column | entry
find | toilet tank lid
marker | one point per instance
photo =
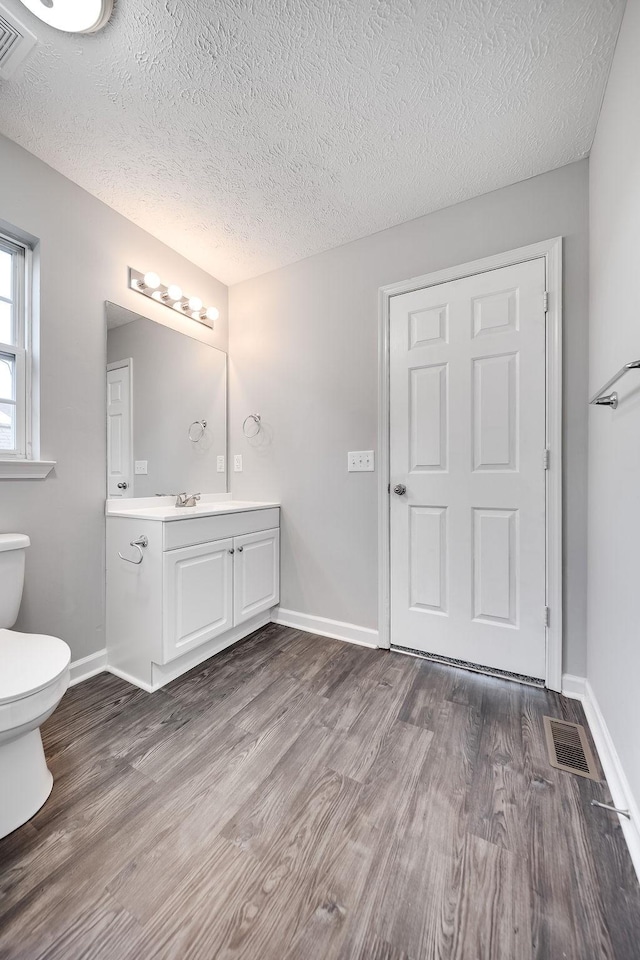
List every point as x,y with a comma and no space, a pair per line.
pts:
13,541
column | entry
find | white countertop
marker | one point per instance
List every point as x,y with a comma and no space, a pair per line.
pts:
166,512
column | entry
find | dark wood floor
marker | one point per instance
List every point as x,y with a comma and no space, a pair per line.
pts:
298,798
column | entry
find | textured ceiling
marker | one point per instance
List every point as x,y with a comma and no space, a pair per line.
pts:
250,133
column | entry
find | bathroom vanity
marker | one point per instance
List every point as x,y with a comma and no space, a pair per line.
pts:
183,583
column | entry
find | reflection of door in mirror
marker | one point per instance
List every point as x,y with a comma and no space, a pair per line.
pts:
119,452
174,384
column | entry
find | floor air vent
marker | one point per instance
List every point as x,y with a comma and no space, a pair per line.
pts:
569,748
15,43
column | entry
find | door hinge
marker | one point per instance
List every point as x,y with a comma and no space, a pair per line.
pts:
547,616
545,301
546,457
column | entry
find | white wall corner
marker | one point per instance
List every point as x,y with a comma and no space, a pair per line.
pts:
614,772
349,632
579,688
88,667
573,686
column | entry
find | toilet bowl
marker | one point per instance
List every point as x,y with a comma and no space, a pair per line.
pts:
34,674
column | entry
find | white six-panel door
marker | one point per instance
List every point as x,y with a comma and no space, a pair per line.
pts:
119,466
467,440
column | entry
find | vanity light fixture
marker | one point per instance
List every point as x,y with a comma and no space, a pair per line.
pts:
150,285
72,16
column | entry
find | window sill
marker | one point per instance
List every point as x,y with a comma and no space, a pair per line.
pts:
25,469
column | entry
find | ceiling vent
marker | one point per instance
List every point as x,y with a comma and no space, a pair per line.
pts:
15,43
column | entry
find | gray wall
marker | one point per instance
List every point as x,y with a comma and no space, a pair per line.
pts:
85,250
613,662
303,354
176,380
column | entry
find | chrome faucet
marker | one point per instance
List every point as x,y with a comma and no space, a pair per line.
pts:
187,500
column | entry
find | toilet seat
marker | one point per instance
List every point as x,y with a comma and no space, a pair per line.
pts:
30,662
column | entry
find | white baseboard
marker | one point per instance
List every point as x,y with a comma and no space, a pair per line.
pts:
87,667
324,627
134,681
579,688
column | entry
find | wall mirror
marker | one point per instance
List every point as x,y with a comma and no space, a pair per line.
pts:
166,409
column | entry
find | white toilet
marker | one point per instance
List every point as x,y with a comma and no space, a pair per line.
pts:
34,674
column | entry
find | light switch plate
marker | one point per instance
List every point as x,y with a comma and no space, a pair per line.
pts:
360,461
140,468
220,463
237,463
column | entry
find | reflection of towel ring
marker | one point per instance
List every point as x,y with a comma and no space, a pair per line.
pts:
197,423
256,419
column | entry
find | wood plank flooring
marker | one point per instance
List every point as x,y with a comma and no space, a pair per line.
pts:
298,798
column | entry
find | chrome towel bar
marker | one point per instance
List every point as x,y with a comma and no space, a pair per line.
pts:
604,399
138,544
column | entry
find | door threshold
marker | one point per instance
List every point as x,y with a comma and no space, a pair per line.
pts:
473,667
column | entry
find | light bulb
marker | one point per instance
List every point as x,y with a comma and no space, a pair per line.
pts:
156,295
212,313
195,315
79,16
195,303
178,305
174,292
151,280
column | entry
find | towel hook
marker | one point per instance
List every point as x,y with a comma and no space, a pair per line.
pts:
197,423
138,544
256,419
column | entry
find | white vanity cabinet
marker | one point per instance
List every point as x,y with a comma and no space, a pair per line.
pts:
198,587
203,581
256,574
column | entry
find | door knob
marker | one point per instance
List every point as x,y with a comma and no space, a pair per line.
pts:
240,549
232,550
123,485
399,489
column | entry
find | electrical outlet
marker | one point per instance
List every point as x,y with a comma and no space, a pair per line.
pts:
237,463
360,460
220,462
141,467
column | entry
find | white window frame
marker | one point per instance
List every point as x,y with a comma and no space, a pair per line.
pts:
22,462
20,348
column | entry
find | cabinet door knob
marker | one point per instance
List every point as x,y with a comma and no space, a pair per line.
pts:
123,485
232,550
240,549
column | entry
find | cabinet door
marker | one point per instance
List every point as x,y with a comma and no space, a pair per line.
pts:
256,574
198,596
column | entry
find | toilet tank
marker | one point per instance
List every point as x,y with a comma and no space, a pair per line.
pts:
12,548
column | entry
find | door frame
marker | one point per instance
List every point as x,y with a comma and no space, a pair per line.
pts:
118,365
551,251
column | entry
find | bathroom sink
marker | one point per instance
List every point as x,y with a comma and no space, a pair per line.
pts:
145,509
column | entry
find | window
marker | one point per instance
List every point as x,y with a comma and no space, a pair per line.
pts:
14,349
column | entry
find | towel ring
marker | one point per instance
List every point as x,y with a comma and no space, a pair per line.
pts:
197,423
256,419
138,544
